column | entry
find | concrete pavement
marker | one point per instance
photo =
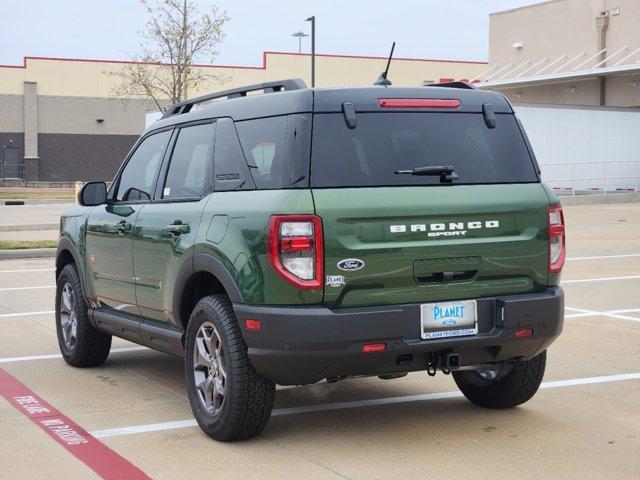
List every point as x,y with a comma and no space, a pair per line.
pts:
584,425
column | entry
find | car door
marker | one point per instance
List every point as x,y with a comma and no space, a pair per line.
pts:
109,238
166,228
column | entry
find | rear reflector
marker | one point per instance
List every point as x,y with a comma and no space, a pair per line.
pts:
446,103
252,324
374,347
524,332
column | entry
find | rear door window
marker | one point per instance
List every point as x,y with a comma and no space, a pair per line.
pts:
382,143
190,169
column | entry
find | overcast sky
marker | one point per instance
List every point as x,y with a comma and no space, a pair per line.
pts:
106,29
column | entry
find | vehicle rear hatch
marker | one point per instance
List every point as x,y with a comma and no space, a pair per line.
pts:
398,238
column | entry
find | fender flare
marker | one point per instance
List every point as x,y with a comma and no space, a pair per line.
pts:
65,243
203,262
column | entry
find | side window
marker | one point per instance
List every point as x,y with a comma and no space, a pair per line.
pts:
263,142
190,169
138,176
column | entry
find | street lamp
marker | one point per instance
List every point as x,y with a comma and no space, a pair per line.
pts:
313,49
300,34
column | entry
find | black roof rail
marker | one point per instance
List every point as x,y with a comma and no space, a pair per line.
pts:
267,87
467,86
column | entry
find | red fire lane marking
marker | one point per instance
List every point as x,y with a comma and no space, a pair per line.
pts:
75,439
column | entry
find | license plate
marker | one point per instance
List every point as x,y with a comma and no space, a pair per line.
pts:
448,319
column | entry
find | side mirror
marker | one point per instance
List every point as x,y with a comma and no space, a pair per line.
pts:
92,194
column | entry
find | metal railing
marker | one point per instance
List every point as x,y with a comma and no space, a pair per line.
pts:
605,182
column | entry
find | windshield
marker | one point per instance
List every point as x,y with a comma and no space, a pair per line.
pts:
382,143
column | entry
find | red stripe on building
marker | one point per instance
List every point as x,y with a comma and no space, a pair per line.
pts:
75,439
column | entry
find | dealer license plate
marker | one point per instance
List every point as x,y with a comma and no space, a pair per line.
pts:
448,319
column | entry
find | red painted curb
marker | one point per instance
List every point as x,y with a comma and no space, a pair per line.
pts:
75,439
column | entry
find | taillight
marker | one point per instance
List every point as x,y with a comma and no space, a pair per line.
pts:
295,250
557,240
446,103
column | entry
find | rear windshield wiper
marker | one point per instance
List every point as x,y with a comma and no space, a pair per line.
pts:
447,173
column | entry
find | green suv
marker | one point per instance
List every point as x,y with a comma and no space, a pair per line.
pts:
307,234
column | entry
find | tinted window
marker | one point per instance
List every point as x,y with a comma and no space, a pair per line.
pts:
190,169
382,143
263,143
229,164
139,175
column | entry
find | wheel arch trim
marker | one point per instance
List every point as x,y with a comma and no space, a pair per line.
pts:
203,262
66,244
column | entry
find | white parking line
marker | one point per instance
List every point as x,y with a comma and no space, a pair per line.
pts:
155,427
601,279
582,312
26,314
57,355
9,289
29,270
599,257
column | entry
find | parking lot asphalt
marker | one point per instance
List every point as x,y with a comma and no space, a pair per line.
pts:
584,423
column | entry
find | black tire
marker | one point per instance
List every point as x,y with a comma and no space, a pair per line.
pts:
244,409
90,347
513,385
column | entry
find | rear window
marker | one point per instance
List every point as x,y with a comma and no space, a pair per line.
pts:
382,143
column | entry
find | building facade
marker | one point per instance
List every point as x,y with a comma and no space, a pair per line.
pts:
61,122
568,52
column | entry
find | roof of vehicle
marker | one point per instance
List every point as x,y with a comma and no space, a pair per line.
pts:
325,100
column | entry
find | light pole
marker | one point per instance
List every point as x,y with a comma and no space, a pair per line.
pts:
313,50
300,34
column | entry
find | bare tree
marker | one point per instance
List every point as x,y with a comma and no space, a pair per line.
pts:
176,36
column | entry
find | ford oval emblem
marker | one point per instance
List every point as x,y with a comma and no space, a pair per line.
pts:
350,264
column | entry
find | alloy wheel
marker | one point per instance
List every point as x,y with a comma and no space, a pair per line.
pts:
209,368
68,317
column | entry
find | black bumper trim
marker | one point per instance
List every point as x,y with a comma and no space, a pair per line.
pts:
301,345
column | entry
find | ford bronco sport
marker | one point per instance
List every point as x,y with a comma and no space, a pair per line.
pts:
309,234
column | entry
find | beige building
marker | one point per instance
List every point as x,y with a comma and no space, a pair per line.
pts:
61,122
576,52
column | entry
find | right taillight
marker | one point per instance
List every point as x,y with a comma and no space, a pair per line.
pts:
295,249
557,239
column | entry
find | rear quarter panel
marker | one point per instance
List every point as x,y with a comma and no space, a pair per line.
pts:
234,231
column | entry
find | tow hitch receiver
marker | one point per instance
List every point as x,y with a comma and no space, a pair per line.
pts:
444,361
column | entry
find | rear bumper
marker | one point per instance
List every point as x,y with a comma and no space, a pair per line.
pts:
301,345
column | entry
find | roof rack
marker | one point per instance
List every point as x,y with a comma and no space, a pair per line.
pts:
268,87
467,86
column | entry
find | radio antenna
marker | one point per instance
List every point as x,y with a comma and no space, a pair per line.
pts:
382,79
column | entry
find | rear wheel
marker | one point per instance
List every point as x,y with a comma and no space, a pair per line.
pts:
502,385
81,345
229,399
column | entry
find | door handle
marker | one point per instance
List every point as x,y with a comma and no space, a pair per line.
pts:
178,228
123,227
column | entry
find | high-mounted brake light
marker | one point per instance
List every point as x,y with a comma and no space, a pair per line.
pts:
295,249
557,239
445,103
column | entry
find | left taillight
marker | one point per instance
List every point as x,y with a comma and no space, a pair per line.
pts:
557,239
295,249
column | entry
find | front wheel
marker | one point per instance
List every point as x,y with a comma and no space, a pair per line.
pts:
229,399
81,345
503,385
